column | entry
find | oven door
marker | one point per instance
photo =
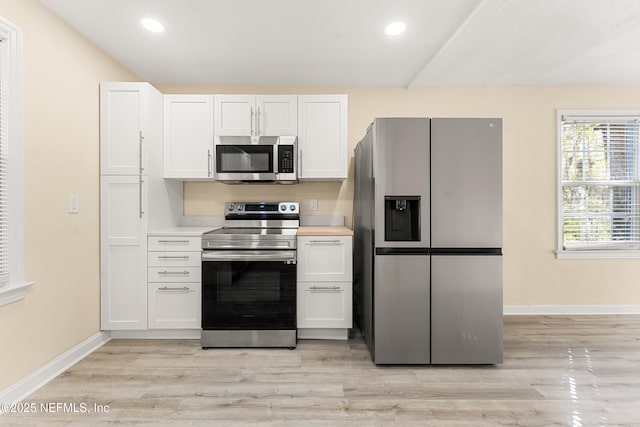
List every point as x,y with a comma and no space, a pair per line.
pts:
248,290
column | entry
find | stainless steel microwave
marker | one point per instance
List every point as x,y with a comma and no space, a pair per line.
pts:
264,159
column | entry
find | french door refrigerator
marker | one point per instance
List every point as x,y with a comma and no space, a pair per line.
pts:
428,238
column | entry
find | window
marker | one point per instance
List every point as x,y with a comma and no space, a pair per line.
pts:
12,284
599,184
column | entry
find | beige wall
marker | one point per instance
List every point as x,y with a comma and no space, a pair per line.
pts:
532,275
61,75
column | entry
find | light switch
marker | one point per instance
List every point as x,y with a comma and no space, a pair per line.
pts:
74,204
313,204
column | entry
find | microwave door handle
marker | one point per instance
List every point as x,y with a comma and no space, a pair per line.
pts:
276,160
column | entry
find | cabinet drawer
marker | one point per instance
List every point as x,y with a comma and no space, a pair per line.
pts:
173,244
174,305
324,258
174,274
174,259
324,304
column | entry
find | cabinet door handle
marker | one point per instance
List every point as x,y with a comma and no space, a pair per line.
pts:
166,288
140,189
181,273
324,288
299,162
173,257
141,140
251,121
209,163
140,170
258,122
173,241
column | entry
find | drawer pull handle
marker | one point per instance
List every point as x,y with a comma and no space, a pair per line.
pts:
173,257
182,273
325,241
166,288
173,241
325,288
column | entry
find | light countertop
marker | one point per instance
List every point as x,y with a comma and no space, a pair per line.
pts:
325,231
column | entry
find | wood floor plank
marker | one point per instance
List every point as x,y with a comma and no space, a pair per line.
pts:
557,371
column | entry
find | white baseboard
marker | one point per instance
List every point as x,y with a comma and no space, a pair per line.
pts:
38,378
570,309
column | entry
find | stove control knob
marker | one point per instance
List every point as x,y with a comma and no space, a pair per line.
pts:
292,208
240,207
283,208
230,208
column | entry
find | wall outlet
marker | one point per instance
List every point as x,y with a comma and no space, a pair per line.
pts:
74,204
313,204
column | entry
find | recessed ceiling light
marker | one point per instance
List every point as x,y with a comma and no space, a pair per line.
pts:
152,25
395,28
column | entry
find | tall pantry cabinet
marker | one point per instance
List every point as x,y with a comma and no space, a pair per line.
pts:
134,198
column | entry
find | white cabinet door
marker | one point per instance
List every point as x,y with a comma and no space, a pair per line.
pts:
234,115
324,258
324,305
255,115
188,136
322,137
277,115
123,266
122,128
174,305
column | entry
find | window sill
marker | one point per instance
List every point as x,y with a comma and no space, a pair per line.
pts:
13,292
597,254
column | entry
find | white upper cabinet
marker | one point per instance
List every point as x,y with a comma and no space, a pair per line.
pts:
255,115
322,137
277,115
123,123
188,136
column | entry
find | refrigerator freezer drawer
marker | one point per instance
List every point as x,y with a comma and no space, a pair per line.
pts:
466,322
401,309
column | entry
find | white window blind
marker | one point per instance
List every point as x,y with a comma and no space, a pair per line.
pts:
600,185
4,145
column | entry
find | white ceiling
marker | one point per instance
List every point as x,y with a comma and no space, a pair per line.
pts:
342,42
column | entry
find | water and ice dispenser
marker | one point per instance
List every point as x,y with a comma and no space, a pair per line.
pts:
402,218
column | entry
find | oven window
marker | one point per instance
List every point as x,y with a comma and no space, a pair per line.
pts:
248,294
244,158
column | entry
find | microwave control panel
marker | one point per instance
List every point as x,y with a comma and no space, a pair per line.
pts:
285,159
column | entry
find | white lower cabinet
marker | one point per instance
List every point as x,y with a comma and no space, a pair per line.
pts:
174,282
324,304
123,247
324,288
174,305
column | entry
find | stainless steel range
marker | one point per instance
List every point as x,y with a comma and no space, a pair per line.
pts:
249,277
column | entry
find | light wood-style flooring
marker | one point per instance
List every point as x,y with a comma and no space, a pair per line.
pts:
558,371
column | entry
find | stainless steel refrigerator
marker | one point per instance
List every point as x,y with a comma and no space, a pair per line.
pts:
428,240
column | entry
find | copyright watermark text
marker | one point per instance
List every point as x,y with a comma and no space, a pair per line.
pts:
54,408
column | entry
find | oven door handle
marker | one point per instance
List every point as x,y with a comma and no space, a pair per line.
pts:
288,256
